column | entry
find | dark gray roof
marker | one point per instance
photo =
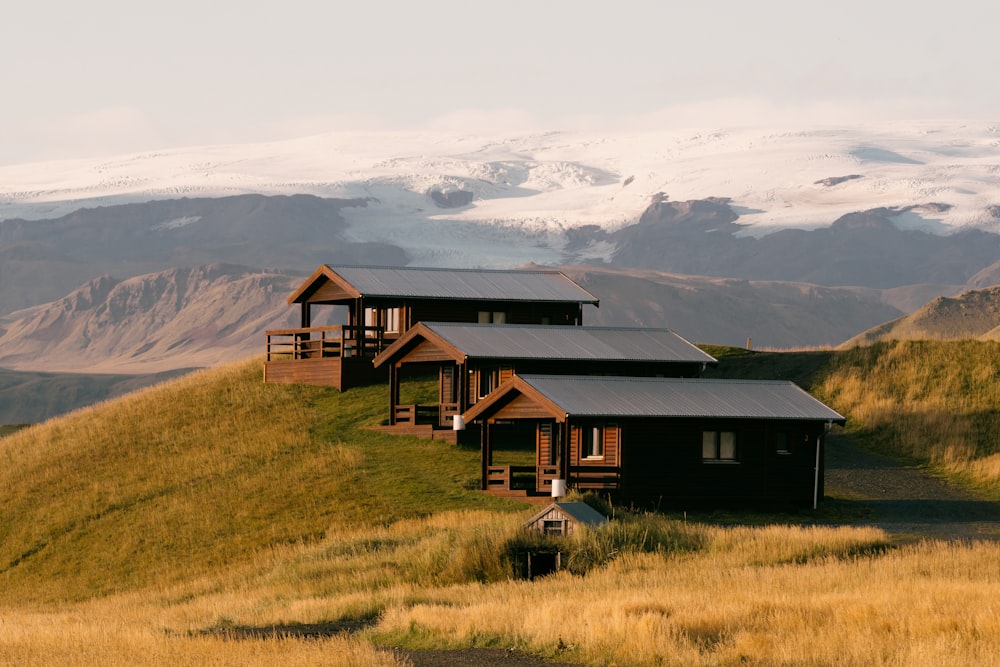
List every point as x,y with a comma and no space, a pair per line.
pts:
584,396
513,341
512,285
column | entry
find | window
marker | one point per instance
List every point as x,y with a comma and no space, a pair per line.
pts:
718,446
492,317
392,320
386,318
592,442
782,443
553,527
489,379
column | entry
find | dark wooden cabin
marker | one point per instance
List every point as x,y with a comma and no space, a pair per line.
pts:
382,303
667,441
471,360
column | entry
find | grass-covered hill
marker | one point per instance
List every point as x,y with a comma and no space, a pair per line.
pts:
971,315
159,526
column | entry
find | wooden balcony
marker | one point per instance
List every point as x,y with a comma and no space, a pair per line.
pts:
335,356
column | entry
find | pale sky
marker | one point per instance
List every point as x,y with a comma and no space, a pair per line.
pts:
103,77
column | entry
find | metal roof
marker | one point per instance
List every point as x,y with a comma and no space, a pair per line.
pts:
515,341
585,396
579,511
476,284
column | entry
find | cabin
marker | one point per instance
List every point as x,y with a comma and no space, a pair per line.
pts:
561,519
471,360
380,304
662,441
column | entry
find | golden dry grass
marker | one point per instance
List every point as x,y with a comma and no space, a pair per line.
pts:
140,531
932,401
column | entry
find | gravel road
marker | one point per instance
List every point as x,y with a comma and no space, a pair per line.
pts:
906,500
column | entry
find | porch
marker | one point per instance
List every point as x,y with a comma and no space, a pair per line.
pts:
536,481
433,422
337,356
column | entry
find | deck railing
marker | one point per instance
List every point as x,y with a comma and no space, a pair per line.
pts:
539,479
324,342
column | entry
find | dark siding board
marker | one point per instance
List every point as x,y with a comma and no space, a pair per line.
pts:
593,367
662,460
468,311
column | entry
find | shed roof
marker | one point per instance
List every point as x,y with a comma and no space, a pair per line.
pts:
459,284
619,397
566,343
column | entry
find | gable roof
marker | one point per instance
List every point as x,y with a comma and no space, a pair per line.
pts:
464,341
620,397
580,512
438,283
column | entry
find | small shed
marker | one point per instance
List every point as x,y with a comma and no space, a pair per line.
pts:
561,519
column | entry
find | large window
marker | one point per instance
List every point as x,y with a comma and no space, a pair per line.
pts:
718,446
386,318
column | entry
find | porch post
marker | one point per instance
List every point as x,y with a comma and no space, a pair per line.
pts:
486,455
564,445
393,392
306,316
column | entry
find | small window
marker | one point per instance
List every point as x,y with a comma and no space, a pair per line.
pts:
782,443
554,527
592,442
718,445
492,317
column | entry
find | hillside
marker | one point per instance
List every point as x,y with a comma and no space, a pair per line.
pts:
974,314
161,526
180,318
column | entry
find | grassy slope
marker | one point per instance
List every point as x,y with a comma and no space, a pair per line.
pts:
217,501
930,401
181,478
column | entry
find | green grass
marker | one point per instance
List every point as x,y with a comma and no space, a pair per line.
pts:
180,479
183,478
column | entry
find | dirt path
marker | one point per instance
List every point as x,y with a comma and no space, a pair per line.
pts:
906,500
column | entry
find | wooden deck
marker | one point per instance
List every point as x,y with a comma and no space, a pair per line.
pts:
337,356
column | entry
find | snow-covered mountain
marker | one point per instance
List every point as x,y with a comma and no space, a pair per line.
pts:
460,200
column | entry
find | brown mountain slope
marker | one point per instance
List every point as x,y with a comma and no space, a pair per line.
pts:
973,314
772,314
180,318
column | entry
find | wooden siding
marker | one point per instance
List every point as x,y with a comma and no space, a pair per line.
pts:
342,373
545,447
524,408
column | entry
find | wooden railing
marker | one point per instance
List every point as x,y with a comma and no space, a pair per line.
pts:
413,414
595,477
545,475
324,342
446,416
509,478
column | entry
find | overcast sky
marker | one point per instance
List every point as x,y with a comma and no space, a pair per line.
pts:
82,79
